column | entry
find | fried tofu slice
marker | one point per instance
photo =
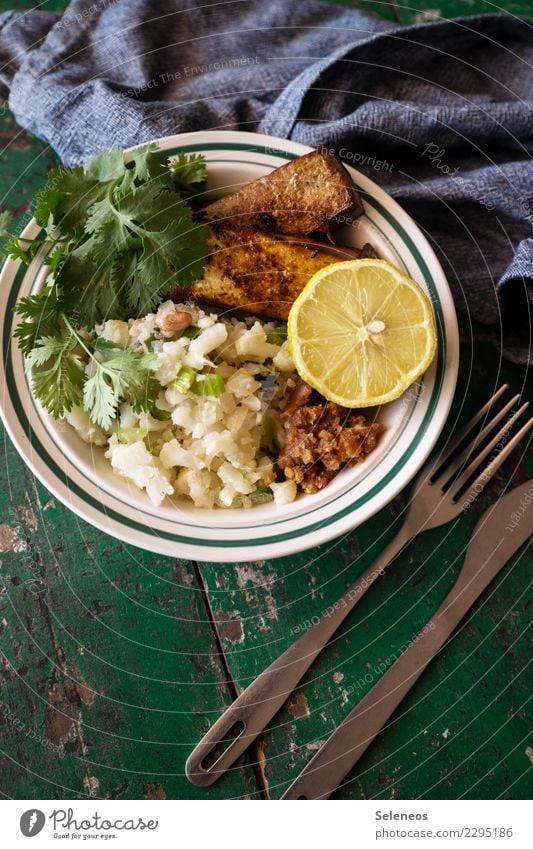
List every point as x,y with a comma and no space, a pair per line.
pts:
309,194
259,272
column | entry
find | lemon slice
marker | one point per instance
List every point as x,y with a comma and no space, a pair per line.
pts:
361,332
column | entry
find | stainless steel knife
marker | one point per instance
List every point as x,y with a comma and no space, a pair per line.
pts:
503,528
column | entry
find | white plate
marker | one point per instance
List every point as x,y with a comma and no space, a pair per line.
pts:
82,479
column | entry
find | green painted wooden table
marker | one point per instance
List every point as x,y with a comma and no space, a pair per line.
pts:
114,661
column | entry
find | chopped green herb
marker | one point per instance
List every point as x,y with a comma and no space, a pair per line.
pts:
126,237
210,385
188,172
191,332
185,379
278,336
160,415
129,435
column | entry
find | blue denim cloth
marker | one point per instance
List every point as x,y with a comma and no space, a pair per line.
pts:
439,114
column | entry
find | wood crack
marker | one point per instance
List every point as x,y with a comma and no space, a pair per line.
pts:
254,753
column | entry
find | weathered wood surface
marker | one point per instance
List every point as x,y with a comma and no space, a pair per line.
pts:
462,731
111,658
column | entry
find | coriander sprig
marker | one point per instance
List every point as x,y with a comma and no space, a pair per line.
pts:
123,236
62,378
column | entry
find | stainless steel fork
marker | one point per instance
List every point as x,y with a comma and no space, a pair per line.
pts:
442,490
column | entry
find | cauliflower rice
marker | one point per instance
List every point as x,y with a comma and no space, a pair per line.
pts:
208,449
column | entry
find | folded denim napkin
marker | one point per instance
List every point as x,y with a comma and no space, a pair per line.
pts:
439,114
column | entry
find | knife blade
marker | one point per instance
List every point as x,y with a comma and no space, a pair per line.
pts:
496,537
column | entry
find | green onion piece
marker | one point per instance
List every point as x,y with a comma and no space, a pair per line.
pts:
278,336
183,382
261,486
211,385
148,342
129,435
160,415
191,332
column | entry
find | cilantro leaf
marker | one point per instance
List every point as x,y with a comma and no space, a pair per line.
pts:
126,238
189,172
55,259
59,385
87,291
159,250
123,373
22,249
130,373
46,348
105,166
150,163
100,400
66,199
42,317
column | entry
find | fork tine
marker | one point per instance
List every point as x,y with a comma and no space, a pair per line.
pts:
465,430
483,478
448,472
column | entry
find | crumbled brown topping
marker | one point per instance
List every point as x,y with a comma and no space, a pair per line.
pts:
320,440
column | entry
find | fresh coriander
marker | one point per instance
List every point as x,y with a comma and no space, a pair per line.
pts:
123,236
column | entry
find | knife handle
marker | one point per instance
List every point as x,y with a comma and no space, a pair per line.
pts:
327,769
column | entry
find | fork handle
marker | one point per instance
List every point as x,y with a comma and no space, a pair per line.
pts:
251,712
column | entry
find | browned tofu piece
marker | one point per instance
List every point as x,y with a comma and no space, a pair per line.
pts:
308,194
259,272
